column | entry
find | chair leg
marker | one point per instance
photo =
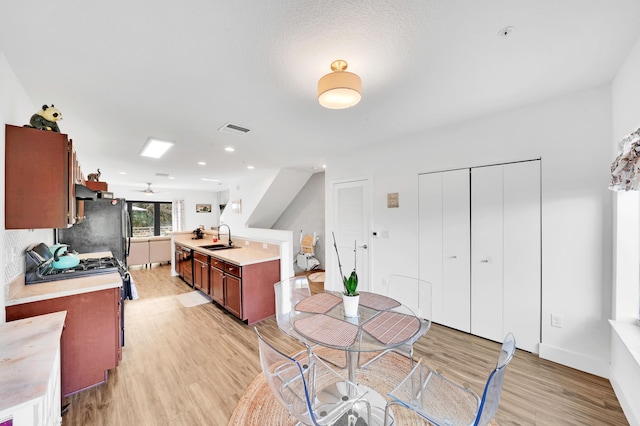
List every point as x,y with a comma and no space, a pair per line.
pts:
387,416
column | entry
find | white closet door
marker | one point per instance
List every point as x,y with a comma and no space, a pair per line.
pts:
444,245
487,252
522,264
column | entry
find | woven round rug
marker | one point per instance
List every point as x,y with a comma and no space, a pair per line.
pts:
258,406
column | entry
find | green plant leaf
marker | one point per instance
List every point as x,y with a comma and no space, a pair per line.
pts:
351,284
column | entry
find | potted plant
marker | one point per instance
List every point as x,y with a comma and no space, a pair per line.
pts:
350,295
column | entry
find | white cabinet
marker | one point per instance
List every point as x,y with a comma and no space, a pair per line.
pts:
493,287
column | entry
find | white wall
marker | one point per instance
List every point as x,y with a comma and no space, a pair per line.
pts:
571,134
306,212
625,369
193,219
15,108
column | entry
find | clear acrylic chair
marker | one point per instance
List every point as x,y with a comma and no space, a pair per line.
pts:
444,403
415,294
287,294
310,390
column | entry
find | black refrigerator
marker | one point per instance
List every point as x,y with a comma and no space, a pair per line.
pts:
106,227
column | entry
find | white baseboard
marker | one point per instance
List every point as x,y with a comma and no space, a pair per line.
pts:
626,405
592,365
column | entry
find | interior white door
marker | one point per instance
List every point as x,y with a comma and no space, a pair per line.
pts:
487,252
351,222
444,227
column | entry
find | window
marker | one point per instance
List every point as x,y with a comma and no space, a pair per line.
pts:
150,218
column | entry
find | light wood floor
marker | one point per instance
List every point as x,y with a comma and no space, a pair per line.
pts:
189,366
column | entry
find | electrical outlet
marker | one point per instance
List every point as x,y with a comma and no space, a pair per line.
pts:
384,233
556,320
246,242
265,246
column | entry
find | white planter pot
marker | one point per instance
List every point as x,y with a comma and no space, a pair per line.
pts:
350,305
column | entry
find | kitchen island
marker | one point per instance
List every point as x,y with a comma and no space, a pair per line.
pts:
91,340
30,370
239,279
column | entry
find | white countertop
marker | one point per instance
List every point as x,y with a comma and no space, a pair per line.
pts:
19,292
242,256
28,349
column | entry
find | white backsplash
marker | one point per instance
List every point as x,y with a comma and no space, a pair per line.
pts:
15,243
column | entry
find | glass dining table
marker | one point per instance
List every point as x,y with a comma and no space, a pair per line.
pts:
382,323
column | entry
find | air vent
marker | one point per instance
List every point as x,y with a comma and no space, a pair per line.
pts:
233,129
163,174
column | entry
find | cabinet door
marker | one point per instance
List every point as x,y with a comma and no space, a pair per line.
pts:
216,290
444,225
90,339
37,181
201,272
233,295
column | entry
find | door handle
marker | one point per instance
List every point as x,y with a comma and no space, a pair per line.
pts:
363,247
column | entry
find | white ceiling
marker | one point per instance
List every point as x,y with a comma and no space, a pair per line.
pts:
122,70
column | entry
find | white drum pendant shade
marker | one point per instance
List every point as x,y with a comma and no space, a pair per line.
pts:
339,89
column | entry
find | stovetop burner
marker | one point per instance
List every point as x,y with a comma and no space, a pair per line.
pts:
90,266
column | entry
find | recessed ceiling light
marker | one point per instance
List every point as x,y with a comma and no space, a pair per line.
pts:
324,166
123,173
155,148
202,163
210,180
171,177
250,167
229,149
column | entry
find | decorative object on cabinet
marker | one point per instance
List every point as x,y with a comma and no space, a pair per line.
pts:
625,169
339,89
95,177
46,119
203,208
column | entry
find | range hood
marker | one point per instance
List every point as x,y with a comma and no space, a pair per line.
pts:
84,193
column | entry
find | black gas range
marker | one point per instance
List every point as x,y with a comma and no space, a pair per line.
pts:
45,272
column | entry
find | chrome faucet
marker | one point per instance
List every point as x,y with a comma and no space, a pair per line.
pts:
224,224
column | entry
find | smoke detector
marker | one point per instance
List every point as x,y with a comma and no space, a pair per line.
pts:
233,129
505,32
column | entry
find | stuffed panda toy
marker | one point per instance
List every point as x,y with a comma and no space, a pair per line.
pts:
46,119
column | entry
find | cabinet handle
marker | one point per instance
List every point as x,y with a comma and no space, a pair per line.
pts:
454,257
484,261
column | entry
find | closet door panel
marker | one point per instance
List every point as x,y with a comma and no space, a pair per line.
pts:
456,250
487,252
522,239
445,246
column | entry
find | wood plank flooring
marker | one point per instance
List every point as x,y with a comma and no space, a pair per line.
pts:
189,366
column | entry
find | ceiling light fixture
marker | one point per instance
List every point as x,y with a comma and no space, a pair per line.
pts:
155,148
229,149
202,163
339,89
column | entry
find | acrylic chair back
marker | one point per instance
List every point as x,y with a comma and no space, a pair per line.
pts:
285,378
493,388
310,391
288,293
411,292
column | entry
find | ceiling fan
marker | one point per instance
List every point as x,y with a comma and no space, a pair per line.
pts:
147,191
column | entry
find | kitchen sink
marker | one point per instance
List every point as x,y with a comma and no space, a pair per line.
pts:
218,247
